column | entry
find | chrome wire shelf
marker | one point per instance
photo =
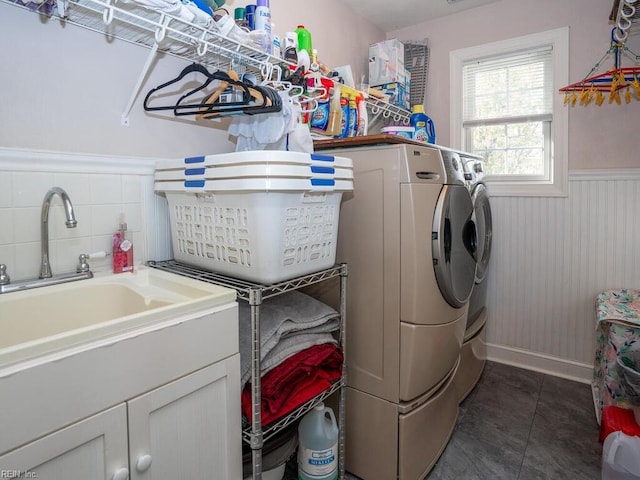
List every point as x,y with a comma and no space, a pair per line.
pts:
388,112
246,289
299,412
255,435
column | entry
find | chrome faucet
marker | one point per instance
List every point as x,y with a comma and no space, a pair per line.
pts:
71,222
46,278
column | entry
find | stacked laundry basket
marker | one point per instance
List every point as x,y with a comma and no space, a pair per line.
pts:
263,216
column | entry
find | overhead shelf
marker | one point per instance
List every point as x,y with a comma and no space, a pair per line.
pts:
385,110
161,32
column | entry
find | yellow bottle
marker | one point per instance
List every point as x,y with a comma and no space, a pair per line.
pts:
334,127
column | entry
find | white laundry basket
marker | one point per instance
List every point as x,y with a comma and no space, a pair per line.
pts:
264,230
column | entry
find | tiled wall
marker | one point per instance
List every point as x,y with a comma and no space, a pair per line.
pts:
100,189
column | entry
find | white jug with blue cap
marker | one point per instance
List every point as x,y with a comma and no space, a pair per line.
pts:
318,445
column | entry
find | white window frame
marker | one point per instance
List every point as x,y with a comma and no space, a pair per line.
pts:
557,184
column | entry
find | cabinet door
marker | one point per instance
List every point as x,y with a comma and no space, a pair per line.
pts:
94,448
189,428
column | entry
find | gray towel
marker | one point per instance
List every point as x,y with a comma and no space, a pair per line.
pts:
299,319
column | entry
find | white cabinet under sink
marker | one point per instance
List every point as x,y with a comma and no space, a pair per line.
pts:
161,401
185,429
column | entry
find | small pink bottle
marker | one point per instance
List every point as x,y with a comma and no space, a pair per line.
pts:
122,251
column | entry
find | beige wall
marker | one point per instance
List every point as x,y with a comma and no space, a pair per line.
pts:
599,137
65,88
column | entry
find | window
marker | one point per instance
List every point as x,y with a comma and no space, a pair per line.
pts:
506,108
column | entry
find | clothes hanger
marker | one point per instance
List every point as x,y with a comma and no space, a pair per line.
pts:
193,68
227,79
263,100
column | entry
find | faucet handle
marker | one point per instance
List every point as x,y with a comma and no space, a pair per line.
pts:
4,277
83,265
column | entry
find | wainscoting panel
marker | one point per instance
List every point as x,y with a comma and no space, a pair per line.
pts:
551,257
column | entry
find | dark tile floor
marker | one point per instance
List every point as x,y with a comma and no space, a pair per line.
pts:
522,425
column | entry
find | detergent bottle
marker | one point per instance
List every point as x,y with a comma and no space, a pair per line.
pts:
424,129
318,445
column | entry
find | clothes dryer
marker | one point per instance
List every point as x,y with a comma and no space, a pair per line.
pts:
407,234
473,353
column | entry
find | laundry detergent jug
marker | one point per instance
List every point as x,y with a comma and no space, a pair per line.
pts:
424,129
318,445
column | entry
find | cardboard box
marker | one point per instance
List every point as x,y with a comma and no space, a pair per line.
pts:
386,62
398,94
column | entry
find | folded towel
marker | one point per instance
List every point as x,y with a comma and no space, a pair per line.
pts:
290,314
295,381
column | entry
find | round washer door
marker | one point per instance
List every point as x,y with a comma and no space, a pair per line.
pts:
454,244
484,228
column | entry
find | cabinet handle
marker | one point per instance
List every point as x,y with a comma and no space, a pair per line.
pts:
143,463
121,474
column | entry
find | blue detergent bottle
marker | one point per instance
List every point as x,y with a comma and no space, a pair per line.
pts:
424,129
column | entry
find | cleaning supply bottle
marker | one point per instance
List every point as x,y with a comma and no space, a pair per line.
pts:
276,44
363,116
304,40
335,113
320,116
353,116
424,130
263,22
239,16
122,252
250,16
318,445
344,106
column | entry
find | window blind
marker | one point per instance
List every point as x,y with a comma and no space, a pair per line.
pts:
514,86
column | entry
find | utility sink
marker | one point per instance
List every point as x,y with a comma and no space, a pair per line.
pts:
44,320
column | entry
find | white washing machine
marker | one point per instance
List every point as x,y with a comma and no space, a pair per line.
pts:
407,234
474,352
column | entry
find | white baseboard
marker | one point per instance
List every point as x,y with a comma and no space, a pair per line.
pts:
540,362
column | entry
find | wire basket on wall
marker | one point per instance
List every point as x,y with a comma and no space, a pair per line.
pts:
416,60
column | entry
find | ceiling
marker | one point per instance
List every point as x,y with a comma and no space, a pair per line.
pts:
396,14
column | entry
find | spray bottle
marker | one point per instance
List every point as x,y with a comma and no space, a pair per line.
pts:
344,106
363,116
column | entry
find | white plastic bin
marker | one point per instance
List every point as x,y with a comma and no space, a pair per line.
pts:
254,229
621,457
255,157
268,170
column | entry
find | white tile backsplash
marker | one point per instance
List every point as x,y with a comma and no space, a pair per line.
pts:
131,189
98,200
26,224
5,189
76,185
106,189
29,188
7,228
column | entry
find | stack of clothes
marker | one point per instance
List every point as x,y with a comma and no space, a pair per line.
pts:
299,353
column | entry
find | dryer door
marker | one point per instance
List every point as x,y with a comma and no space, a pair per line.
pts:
484,227
454,244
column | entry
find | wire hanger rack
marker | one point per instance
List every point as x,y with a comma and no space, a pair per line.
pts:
619,82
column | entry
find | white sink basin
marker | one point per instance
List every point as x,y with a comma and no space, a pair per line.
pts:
44,320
